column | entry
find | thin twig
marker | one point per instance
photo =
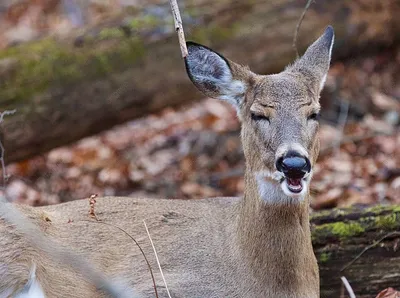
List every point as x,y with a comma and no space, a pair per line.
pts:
138,245
368,248
178,27
158,261
348,287
6,113
2,150
296,32
92,204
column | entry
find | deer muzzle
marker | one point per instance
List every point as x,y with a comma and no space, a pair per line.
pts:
295,168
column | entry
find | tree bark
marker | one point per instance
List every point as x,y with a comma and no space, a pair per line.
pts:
64,90
339,236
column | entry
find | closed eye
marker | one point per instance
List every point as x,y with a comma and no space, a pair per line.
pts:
258,117
314,116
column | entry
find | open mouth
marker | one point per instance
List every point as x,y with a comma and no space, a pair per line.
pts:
294,184
293,187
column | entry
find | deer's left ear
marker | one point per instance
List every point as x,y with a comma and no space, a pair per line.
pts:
212,74
316,60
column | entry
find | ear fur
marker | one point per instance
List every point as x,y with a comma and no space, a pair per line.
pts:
316,60
212,74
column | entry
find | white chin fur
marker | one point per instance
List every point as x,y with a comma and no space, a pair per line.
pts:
273,187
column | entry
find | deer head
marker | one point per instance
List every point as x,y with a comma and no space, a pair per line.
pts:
278,113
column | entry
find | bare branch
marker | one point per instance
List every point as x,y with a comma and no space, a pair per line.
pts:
6,113
296,32
178,27
369,247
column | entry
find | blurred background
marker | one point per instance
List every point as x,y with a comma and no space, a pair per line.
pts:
103,105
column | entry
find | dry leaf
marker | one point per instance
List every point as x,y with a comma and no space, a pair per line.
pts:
385,102
376,125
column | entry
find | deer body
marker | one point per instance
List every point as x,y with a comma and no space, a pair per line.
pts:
255,246
197,244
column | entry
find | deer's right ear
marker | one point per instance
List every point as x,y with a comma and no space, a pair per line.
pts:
211,74
315,61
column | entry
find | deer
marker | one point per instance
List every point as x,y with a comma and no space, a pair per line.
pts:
258,245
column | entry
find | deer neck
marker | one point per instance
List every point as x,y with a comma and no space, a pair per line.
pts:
275,241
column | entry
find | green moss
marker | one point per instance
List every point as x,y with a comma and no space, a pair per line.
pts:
365,214
47,63
371,219
384,217
108,33
143,22
387,221
324,257
332,213
339,230
345,230
381,208
320,214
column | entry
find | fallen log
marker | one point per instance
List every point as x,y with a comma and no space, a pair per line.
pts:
362,245
67,89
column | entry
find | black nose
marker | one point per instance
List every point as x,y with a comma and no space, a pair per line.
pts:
293,165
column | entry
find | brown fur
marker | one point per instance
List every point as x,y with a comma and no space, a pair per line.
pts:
228,247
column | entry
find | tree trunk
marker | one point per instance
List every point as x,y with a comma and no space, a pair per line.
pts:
340,235
64,90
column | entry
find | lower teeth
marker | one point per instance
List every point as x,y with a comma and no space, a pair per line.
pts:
295,187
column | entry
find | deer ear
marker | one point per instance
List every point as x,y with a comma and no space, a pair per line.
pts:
315,61
211,73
